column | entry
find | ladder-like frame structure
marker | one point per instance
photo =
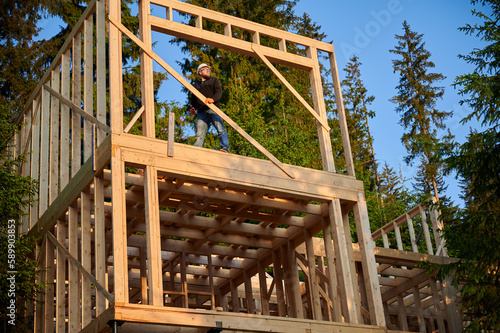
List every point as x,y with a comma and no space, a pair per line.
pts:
201,240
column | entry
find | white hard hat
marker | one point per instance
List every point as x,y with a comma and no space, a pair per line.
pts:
202,66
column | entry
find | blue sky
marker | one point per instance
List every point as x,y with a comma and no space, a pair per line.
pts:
367,28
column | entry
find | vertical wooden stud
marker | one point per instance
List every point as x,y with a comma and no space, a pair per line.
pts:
345,272
278,280
115,70
54,137
120,264
99,242
101,67
88,84
73,290
86,258
313,279
264,297
44,152
325,143
76,126
437,305
366,245
341,114
49,293
155,284
427,235
418,309
65,119
60,280
332,271
249,293
147,89
411,231
35,160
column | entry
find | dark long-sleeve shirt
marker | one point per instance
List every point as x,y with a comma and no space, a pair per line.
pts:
210,88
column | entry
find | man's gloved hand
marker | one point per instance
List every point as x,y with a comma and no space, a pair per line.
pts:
192,111
209,101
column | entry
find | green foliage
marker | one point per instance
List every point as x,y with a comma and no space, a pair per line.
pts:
16,193
473,234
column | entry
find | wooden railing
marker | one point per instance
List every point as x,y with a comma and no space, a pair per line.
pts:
416,219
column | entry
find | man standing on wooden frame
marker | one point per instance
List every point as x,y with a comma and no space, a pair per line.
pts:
210,88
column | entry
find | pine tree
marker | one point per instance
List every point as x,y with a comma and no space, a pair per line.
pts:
416,101
473,233
356,103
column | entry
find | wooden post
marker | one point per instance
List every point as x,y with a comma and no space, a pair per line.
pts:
418,309
120,263
437,305
76,130
411,231
88,83
147,89
54,137
86,258
73,295
49,293
366,245
60,280
44,152
184,284
235,299
427,235
345,272
35,160
355,281
264,299
115,70
325,142
278,280
65,119
313,279
292,281
249,293
155,284
403,320
100,242
144,275
211,281
341,114
101,67
171,131
332,272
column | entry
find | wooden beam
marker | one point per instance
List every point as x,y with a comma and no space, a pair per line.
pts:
325,142
119,216
78,110
283,80
147,87
155,295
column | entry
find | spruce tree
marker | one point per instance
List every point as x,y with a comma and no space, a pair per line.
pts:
356,104
416,101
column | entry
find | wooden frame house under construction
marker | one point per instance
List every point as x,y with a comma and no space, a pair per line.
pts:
125,251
